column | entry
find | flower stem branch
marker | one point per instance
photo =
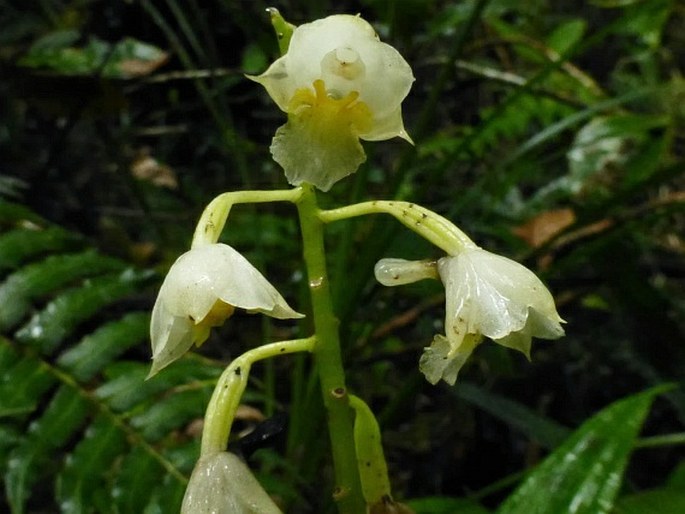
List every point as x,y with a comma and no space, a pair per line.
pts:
426,223
230,387
328,358
216,213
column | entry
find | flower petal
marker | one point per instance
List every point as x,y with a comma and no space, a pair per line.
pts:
442,361
316,157
171,336
216,271
223,484
396,272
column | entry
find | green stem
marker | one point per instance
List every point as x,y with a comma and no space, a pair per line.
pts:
228,391
328,358
215,214
428,224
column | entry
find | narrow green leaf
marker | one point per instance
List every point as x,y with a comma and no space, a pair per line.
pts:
655,501
126,385
52,325
13,213
139,474
584,474
566,35
38,279
20,245
22,386
445,505
34,458
87,466
98,349
171,413
545,431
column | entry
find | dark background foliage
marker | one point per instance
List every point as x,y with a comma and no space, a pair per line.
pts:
550,131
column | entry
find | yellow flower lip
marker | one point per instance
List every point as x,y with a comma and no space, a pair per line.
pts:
328,112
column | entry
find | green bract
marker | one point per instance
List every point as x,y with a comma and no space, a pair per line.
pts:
201,290
338,83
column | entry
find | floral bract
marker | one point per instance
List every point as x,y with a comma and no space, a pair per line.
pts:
338,83
223,484
487,295
201,290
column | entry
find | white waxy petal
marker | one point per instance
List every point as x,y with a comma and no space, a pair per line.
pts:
223,484
397,272
214,272
495,296
199,280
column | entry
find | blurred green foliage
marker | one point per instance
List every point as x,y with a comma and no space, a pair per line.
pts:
552,132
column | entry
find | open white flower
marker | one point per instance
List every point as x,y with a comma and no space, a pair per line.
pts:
338,82
487,295
201,290
223,484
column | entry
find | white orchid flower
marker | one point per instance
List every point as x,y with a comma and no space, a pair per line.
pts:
202,289
487,295
223,484
338,83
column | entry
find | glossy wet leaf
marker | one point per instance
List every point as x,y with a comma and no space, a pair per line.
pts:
99,348
59,53
539,428
31,282
53,324
654,501
31,461
19,245
87,467
584,474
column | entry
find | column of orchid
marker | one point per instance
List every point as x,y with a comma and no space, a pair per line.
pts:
337,83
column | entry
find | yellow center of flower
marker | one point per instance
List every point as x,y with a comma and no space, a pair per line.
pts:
219,312
328,116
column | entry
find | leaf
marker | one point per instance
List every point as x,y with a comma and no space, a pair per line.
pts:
584,474
87,466
20,245
136,481
52,325
23,381
30,461
38,279
127,58
566,35
655,501
169,413
99,348
445,505
543,430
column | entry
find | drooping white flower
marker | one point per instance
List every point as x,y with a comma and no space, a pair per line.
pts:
201,290
223,484
338,82
487,295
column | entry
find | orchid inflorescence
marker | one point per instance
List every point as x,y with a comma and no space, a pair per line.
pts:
337,83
